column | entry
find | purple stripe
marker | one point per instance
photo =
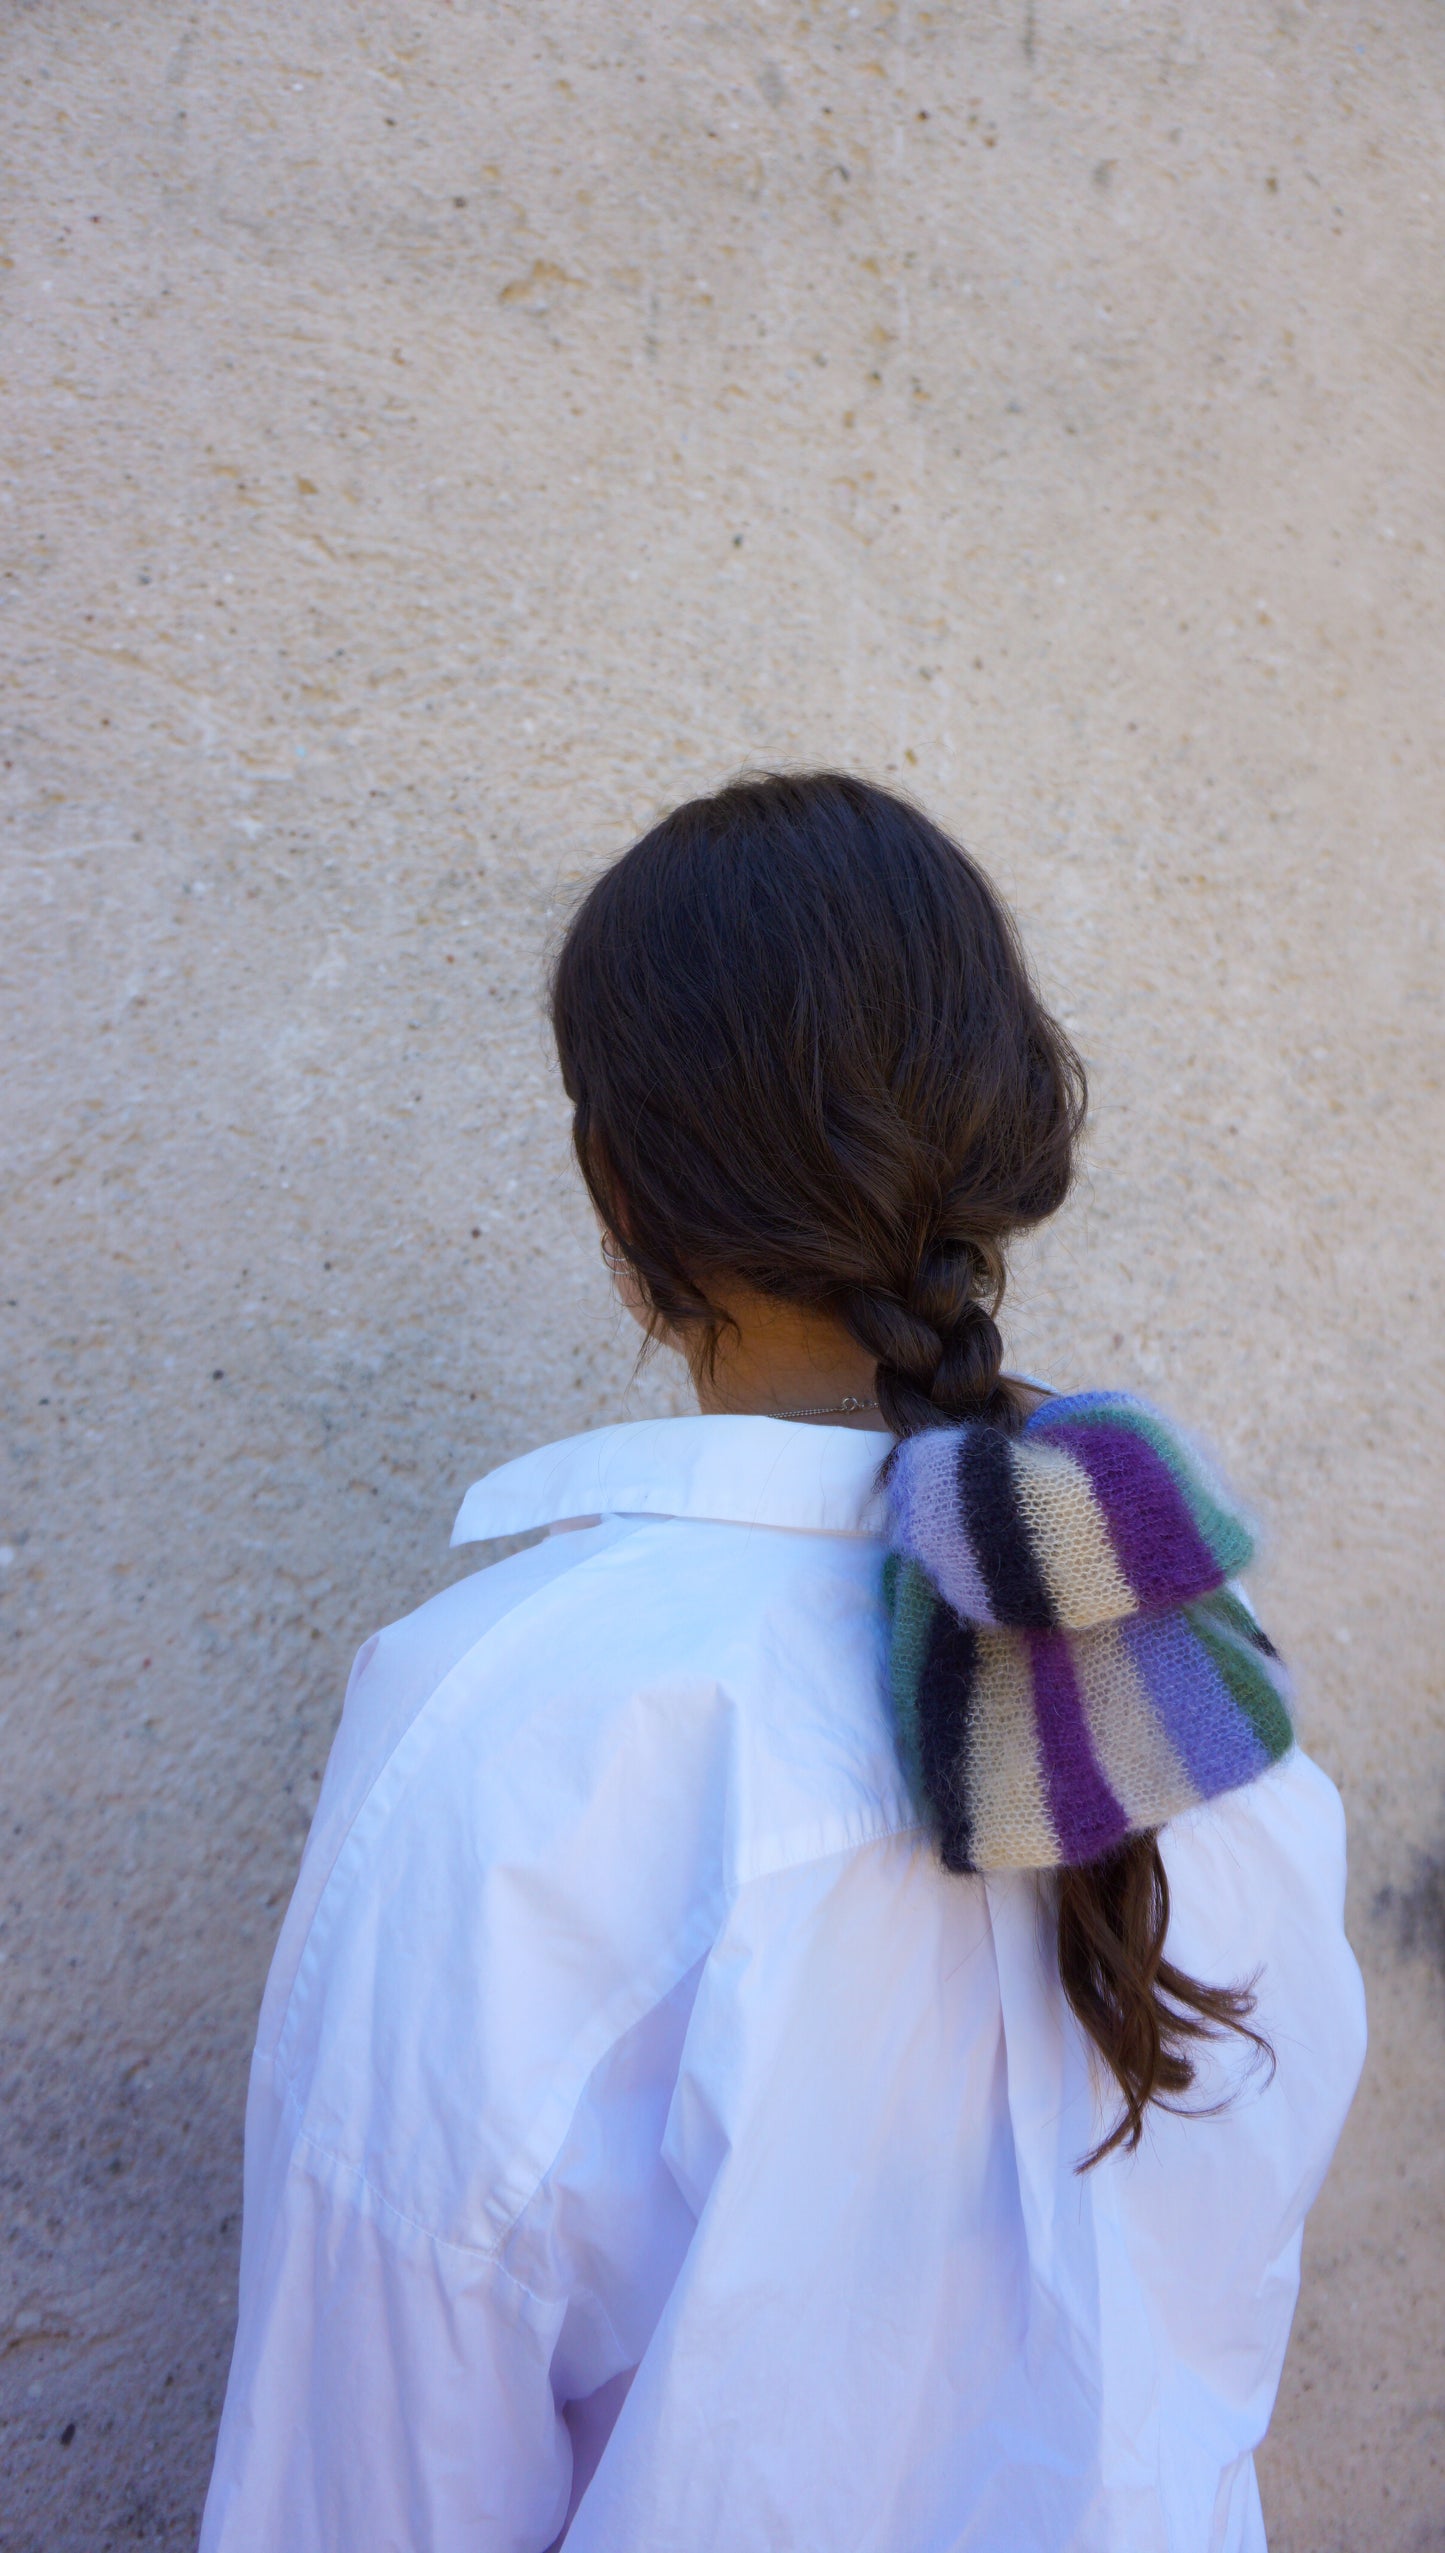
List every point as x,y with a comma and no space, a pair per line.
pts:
928,1519
1200,1716
1087,1818
1160,1548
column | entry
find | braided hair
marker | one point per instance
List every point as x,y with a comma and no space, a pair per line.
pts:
806,1056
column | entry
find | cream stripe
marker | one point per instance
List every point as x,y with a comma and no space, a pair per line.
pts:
1069,1537
1140,1765
1012,1828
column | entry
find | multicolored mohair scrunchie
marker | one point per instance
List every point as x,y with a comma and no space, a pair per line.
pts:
1068,1663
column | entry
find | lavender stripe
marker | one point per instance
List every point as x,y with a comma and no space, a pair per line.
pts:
1160,1549
1203,1721
1086,1816
928,1519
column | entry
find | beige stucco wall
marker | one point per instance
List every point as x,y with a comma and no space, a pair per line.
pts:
438,435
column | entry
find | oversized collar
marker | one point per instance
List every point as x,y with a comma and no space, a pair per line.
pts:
737,1471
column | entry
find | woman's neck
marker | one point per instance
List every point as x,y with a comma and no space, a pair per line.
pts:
774,1357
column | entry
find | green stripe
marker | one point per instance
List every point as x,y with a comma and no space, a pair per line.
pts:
911,1604
1223,1528
1231,1610
1218,1624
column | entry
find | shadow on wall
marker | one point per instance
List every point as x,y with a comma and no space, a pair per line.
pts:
1416,1912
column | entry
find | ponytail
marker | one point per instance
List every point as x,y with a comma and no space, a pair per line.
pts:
941,1359
1140,2012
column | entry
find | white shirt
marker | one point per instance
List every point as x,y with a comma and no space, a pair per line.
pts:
648,2139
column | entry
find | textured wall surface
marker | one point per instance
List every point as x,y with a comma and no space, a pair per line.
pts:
439,435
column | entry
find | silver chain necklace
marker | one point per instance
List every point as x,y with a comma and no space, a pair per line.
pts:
833,1409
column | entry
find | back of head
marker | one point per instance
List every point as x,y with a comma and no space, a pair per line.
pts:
806,1056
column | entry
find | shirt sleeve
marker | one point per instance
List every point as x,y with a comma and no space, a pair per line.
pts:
394,2389
389,2390
1174,2271
456,2221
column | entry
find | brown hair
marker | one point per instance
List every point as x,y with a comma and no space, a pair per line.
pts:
805,1054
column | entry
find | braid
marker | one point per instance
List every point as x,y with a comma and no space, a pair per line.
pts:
936,1342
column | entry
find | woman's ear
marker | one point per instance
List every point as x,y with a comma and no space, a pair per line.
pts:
626,1283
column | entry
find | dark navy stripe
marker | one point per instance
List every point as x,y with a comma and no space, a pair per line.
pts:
990,1514
945,1712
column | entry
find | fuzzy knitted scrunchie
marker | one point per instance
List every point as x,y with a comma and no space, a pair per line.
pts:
1068,1663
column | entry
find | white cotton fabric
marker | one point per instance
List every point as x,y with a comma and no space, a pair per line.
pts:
649,2142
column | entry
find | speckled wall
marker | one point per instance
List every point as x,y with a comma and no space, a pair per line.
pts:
439,435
